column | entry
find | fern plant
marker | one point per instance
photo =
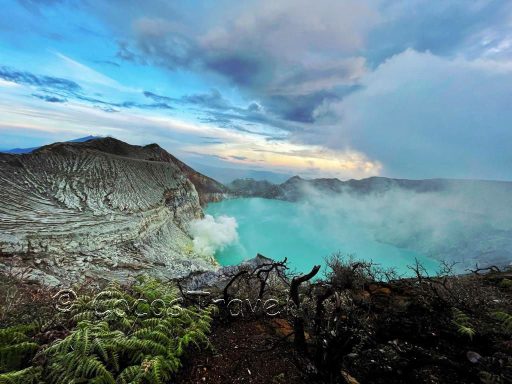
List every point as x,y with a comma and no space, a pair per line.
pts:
113,343
151,288
159,344
30,375
17,349
506,321
112,305
502,377
89,353
462,323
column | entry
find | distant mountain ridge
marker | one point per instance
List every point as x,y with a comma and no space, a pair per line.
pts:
295,187
19,151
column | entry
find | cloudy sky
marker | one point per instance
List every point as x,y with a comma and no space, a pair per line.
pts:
344,88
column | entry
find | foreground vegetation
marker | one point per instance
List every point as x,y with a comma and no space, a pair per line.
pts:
112,336
354,323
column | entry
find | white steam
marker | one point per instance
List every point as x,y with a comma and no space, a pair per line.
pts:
213,234
467,225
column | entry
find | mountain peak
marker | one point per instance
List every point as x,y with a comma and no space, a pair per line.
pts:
295,179
84,139
153,146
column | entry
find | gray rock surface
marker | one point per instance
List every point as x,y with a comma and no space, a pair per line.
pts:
102,209
220,277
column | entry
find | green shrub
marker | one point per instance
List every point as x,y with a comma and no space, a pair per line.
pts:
505,284
134,334
462,323
17,350
505,319
113,342
30,375
16,346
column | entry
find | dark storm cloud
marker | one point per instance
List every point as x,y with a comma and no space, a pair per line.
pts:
155,42
210,100
243,69
125,53
158,42
242,118
299,108
264,58
249,71
213,107
443,28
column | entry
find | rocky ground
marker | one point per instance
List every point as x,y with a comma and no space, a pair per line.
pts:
421,330
386,333
247,352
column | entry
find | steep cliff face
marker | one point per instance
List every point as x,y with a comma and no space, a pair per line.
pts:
208,189
101,209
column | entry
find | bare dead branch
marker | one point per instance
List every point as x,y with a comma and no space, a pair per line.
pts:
298,324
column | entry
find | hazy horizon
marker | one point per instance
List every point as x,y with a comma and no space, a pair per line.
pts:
227,175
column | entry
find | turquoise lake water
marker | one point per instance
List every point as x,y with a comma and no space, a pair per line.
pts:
279,229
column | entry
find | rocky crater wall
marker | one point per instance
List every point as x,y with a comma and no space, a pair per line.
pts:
101,209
